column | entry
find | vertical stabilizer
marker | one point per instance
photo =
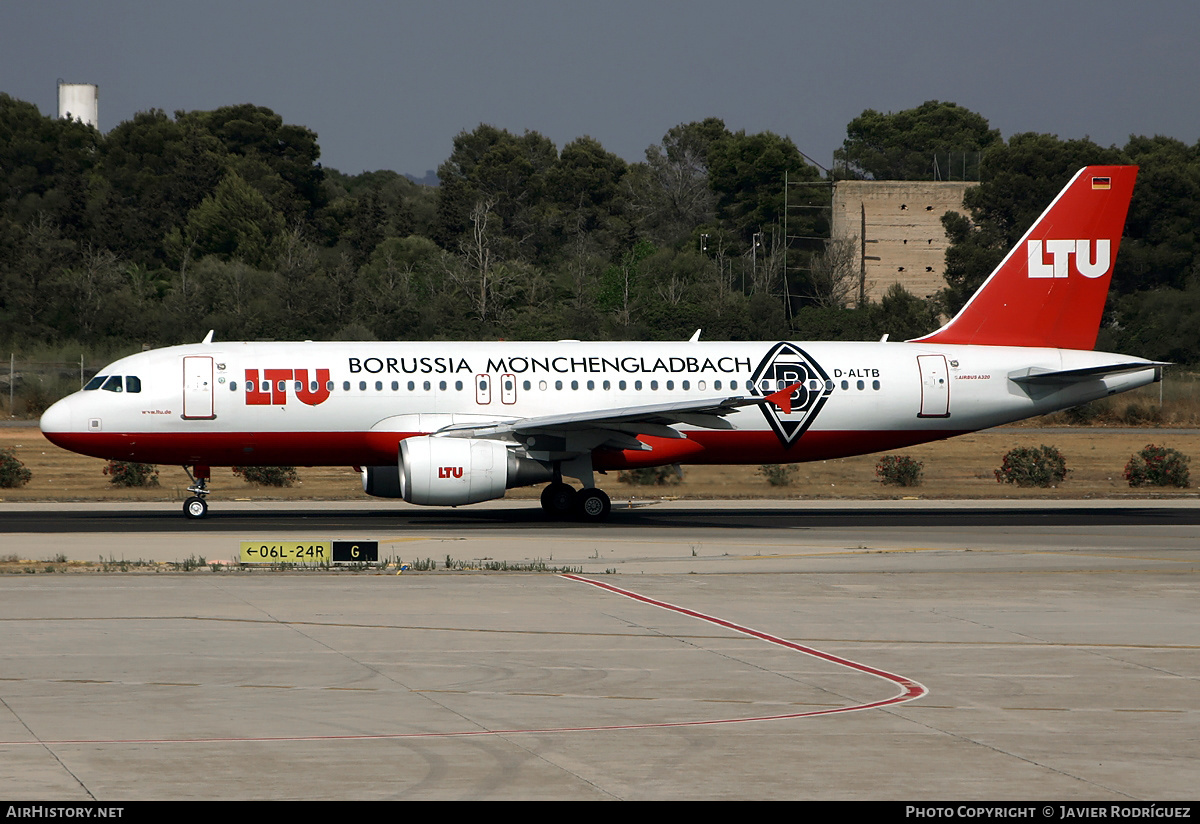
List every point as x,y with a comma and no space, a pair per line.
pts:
1051,287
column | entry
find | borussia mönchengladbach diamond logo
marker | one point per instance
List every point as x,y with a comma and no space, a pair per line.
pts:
787,364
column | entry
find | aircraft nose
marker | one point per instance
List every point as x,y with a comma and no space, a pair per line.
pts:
58,417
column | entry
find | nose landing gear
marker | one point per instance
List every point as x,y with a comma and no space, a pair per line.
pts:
196,507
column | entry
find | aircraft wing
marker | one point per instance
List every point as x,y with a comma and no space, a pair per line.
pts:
617,428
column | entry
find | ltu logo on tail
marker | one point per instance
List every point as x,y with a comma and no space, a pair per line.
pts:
1089,262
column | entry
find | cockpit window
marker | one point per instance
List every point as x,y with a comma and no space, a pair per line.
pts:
113,384
133,383
95,382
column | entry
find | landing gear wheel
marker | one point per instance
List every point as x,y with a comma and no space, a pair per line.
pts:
592,505
558,500
195,507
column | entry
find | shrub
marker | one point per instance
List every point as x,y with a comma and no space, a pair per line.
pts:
1136,414
651,475
1033,466
1157,466
899,470
125,473
268,475
779,474
1084,415
36,397
12,472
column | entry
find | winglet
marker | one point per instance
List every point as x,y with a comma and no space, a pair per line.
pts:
208,338
783,398
695,336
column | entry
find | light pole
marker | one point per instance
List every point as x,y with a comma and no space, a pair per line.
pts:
757,241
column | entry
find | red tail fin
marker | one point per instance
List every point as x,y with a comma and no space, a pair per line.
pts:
1051,287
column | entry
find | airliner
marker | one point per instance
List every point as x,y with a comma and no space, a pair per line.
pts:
449,424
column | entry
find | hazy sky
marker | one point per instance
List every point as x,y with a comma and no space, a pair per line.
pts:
387,85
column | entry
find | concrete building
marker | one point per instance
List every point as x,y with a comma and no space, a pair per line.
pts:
906,243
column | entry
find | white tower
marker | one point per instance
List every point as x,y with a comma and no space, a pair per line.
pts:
79,101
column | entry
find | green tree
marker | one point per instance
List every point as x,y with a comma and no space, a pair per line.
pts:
44,165
365,208
1018,179
1160,324
746,173
902,145
152,171
1162,246
234,223
278,159
396,288
669,195
33,258
490,165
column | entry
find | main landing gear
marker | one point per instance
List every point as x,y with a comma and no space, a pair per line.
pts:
196,507
561,502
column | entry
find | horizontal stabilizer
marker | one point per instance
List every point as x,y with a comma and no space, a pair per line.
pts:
1034,376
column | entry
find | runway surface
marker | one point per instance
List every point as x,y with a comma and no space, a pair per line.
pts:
714,650
521,515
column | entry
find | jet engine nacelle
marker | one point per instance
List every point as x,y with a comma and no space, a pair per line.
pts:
434,471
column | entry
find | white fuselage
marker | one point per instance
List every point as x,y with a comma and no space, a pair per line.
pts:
317,403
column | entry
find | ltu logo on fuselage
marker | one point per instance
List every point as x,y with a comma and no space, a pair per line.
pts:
273,388
784,366
1089,263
